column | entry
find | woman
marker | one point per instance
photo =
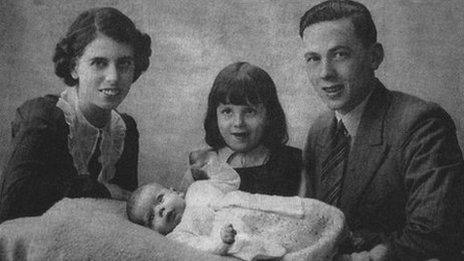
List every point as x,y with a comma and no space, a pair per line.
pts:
77,144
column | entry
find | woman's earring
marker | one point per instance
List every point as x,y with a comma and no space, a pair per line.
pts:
74,75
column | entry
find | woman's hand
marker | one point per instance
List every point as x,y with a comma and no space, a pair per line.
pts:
378,253
117,192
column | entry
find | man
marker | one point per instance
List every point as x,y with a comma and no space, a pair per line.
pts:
390,161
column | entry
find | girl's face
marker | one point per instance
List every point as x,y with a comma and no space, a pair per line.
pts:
241,126
105,72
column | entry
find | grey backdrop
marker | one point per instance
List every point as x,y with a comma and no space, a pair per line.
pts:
193,40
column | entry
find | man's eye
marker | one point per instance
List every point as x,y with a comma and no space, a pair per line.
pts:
159,198
341,55
312,59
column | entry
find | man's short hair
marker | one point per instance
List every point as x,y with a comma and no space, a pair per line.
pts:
338,9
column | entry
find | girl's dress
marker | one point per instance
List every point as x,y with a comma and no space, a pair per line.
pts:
280,175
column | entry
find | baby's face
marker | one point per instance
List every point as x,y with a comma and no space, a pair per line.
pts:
159,208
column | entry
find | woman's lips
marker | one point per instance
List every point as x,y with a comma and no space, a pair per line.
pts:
110,92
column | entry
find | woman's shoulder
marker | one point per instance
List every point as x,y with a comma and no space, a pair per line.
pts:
40,107
130,122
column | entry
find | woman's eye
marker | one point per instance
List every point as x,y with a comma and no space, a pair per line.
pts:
125,64
99,63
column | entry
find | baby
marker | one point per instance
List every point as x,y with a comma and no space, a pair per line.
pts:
217,218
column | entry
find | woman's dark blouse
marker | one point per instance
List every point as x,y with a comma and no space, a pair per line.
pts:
281,175
40,170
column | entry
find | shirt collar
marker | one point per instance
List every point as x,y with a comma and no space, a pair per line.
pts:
352,119
256,157
83,137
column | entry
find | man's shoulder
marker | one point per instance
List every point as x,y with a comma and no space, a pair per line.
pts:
406,109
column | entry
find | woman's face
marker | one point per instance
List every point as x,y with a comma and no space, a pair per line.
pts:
105,72
241,126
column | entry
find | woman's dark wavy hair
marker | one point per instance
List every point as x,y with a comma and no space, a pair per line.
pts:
109,22
244,84
331,10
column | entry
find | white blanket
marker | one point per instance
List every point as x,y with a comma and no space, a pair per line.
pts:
88,229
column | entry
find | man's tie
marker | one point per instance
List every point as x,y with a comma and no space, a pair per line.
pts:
333,167
94,164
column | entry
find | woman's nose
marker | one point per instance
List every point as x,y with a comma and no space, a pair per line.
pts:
327,70
112,73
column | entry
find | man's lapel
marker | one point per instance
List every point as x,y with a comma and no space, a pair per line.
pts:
368,151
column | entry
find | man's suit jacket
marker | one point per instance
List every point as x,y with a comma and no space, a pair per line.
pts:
403,183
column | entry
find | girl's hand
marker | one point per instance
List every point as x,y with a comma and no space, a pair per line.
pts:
117,192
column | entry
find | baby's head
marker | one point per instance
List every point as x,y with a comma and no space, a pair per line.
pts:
244,86
156,207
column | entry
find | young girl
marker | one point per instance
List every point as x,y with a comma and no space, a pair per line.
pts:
246,126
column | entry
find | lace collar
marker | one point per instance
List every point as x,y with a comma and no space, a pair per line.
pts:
256,157
83,136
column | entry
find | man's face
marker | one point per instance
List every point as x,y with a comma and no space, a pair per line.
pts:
339,67
159,208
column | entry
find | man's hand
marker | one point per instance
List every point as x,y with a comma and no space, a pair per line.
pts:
228,234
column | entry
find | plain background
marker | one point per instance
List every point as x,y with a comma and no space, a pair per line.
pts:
193,40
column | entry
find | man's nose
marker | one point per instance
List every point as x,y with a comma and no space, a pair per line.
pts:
327,70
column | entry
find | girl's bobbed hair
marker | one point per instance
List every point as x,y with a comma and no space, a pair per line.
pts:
109,22
244,84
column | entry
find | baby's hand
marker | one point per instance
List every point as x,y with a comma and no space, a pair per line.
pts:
228,234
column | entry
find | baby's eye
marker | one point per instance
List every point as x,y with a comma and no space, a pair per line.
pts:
151,216
159,198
